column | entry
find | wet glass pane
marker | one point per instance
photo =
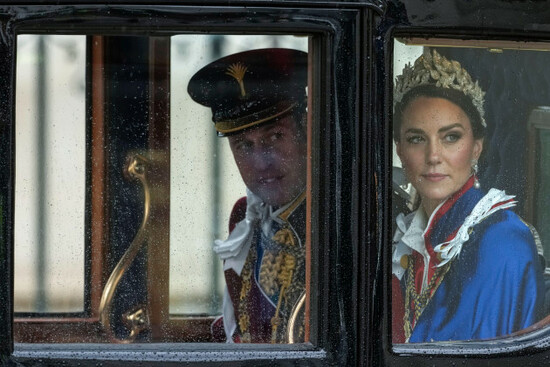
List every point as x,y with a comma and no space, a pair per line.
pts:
50,174
470,128
153,171
196,277
203,168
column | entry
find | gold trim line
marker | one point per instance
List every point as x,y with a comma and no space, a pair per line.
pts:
225,127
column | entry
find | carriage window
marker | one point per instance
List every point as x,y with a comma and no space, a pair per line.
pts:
470,214
160,189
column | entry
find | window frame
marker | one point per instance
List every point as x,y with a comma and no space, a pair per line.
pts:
461,20
350,308
335,31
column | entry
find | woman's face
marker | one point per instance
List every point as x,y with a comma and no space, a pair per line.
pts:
437,147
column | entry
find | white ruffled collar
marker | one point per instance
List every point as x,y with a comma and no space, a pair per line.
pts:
234,249
410,236
493,201
412,228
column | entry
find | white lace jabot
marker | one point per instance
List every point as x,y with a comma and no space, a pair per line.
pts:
234,249
493,201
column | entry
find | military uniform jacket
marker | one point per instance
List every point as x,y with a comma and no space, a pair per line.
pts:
267,290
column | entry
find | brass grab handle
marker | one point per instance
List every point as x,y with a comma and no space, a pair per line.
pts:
137,319
295,321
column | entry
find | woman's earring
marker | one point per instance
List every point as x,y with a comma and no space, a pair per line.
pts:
475,168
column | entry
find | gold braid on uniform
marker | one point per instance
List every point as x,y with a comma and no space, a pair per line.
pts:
244,318
290,280
419,301
283,272
269,272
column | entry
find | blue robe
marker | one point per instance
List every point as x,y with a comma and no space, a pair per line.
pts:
493,288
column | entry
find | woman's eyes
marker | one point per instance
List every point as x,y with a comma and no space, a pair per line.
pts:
449,138
452,137
415,139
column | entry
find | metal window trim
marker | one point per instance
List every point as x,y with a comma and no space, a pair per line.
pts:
506,349
339,110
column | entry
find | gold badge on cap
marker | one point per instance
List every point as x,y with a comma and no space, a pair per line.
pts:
237,71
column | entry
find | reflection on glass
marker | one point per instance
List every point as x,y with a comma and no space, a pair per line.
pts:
50,165
465,265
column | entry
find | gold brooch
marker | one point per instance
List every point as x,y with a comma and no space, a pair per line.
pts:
237,71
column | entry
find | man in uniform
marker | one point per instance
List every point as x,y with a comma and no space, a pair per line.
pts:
258,101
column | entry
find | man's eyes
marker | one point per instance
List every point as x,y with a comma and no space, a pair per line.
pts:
246,145
243,145
276,136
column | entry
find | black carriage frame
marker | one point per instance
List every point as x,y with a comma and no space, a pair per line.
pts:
352,53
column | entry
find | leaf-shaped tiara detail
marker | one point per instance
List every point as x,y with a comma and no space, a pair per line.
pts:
434,69
237,71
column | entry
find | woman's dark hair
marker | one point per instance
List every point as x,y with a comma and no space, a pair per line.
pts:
455,96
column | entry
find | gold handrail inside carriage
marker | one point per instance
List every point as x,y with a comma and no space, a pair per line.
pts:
137,319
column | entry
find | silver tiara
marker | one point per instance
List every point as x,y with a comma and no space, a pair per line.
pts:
434,69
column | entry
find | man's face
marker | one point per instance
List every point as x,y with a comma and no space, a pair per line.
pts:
272,160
